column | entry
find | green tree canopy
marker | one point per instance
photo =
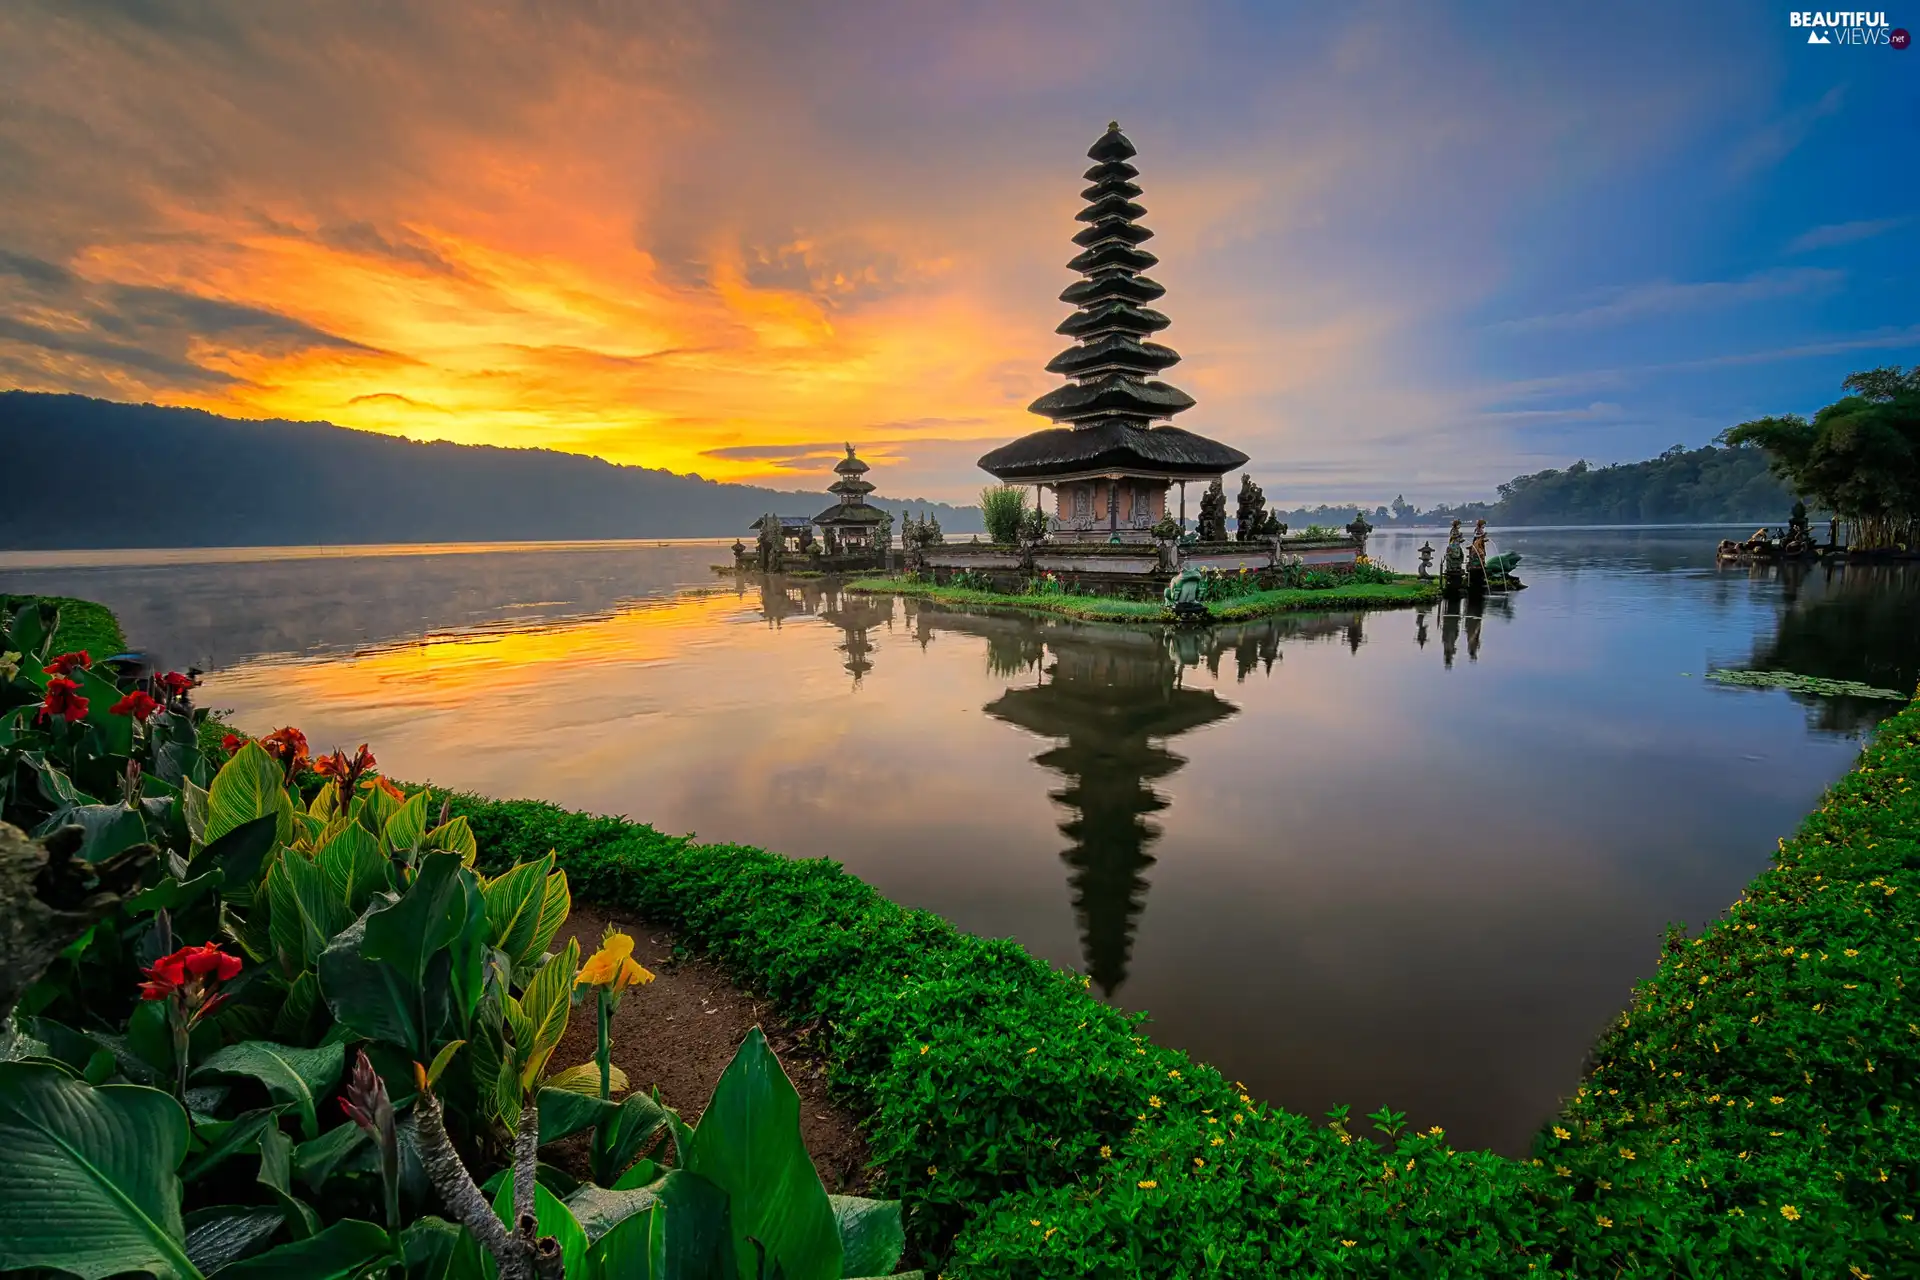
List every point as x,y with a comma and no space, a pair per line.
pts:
1859,457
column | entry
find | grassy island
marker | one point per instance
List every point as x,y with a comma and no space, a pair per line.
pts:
1406,590
1753,1111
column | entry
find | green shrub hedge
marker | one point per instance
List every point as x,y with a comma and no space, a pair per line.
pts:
83,625
1033,1132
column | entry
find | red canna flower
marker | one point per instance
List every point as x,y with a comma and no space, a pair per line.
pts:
137,704
288,746
63,699
345,773
383,785
189,977
232,742
66,662
175,684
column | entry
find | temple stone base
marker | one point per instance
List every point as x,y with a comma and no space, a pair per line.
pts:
1131,568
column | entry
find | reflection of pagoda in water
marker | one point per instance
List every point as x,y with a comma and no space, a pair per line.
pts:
856,615
1113,703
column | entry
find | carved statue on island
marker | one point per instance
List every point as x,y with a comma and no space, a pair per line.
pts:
1426,562
1454,561
1182,596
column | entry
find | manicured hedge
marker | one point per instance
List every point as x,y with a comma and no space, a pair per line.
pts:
83,625
1032,1132
1258,604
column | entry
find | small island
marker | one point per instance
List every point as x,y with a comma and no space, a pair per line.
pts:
1106,547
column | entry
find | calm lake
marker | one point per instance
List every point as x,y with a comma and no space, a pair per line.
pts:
1412,858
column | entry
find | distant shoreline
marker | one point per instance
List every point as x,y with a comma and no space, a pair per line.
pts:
125,557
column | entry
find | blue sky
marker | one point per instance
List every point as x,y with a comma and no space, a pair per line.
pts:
1410,248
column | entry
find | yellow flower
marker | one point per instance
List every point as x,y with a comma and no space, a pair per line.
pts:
1625,1154
1218,1142
1561,1134
1106,1153
933,1170
1604,1221
1154,1101
1790,1213
923,1048
1563,1171
1198,1162
1349,1243
613,966
1173,1075
1776,1099
1148,1184
1034,1221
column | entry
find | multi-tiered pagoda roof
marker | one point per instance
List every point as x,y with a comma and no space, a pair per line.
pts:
1115,407
851,489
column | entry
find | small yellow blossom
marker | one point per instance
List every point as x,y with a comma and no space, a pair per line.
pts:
933,1170
1154,1101
1561,1134
1218,1142
1626,1154
1349,1243
924,1048
613,966
1106,1153
1790,1213
1198,1163
1437,1131
1603,1220
1776,1099
1238,1118
1034,1221
1173,1075
1147,1184
1563,1171
1035,1049
1852,952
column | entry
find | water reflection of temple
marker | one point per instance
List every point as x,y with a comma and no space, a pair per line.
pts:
857,616
1112,700
1456,616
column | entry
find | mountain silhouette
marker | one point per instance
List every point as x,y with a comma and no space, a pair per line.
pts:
91,473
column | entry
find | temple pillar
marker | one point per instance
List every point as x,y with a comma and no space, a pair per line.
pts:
1113,504
1183,506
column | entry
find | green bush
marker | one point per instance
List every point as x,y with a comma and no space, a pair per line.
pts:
1003,510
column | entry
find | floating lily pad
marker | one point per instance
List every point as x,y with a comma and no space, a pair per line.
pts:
1795,683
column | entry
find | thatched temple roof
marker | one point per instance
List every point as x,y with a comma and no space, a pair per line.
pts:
1115,394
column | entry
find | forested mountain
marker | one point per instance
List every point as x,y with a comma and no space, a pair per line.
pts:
1711,485
91,473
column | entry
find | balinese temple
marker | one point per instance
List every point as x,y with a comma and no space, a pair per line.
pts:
849,524
1113,705
1116,454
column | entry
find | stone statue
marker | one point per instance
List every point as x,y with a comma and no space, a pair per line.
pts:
1213,513
770,543
1426,561
739,551
1479,544
1182,596
1251,514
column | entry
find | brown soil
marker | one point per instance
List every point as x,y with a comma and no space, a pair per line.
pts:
681,1030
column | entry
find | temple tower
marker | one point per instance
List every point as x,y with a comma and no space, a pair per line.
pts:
1116,452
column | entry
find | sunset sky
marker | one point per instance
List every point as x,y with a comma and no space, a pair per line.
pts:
1408,248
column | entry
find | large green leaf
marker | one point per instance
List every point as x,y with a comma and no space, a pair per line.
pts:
555,1220
455,836
87,1184
306,915
373,809
626,1132
599,1210
748,1143
226,1233
298,1076
343,1251
249,786
428,1246
514,901
871,1236
408,825
110,828
315,1160
239,853
276,1175
684,1235
564,1113
115,733
410,970
355,867
227,1138
547,1002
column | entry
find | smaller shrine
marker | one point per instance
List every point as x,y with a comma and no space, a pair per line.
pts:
796,533
850,525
